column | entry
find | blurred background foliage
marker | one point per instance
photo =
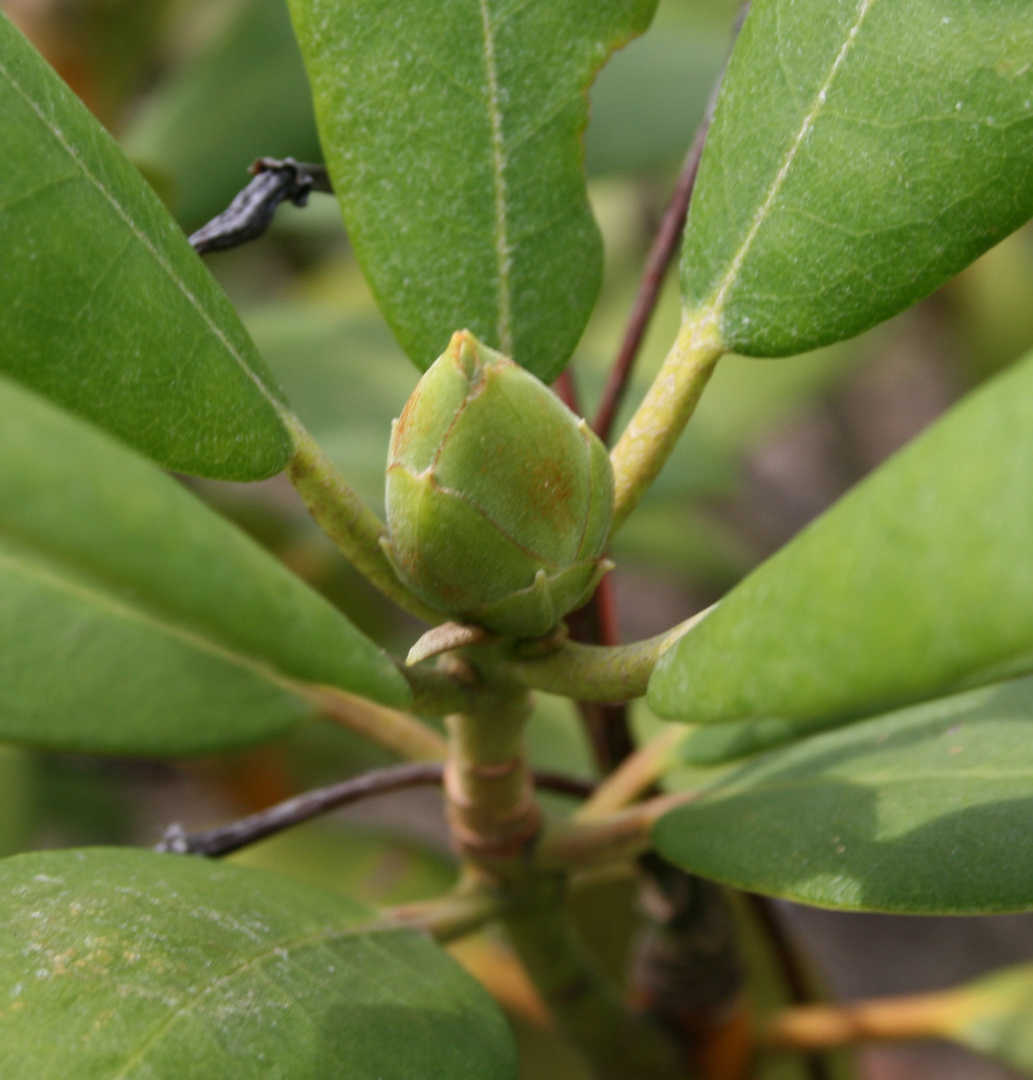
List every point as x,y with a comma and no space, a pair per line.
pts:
196,90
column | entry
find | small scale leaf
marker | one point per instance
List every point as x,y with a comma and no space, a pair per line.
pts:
104,307
135,620
452,134
131,964
921,811
861,154
914,585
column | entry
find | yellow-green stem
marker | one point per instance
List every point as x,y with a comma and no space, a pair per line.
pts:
492,811
407,736
349,523
651,435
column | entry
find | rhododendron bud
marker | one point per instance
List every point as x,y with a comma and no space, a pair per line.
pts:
499,498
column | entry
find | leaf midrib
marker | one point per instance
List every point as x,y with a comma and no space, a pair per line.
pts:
504,328
715,305
47,573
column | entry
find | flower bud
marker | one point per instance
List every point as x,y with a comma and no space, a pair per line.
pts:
499,498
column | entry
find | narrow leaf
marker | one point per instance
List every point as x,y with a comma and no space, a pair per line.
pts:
135,620
863,152
914,585
922,811
103,305
453,138
121,963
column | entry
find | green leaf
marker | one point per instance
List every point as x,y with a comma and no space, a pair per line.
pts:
121,963
135,620
862,153
453,139
914,585
104,307
244,96
922,811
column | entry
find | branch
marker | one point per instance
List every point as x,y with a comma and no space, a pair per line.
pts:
251,212
658,261
579,845
405,735
597,672
823,1027
238,834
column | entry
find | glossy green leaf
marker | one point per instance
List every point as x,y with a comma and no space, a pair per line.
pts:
244,96
135,620
914,585
453,138
121,963
921,811
862,153
103,305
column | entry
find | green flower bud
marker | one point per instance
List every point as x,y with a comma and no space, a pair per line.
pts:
499,498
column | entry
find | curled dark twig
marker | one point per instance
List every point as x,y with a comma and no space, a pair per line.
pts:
251,212
238,834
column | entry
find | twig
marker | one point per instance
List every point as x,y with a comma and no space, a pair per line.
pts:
251,212
658,261
228,838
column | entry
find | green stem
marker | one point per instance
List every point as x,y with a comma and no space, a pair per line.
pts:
657,425
349,523
620,1044
451,916
407,736
492,812
578,845
596,672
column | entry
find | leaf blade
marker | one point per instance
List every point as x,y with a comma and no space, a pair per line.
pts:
115,575
912,586
106,308
453,146
920,811
860,156
189,968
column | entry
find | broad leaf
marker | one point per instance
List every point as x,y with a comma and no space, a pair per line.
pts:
453,137
135,620
103,305
244,96
921,811
120,963
862,153
915,584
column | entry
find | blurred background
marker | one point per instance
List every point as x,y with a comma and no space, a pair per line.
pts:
195,90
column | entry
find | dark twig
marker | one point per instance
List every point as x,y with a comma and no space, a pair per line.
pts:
658,261
310,804
251,212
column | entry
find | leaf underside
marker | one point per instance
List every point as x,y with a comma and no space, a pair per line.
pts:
105,308
121,963
862,153
453,138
